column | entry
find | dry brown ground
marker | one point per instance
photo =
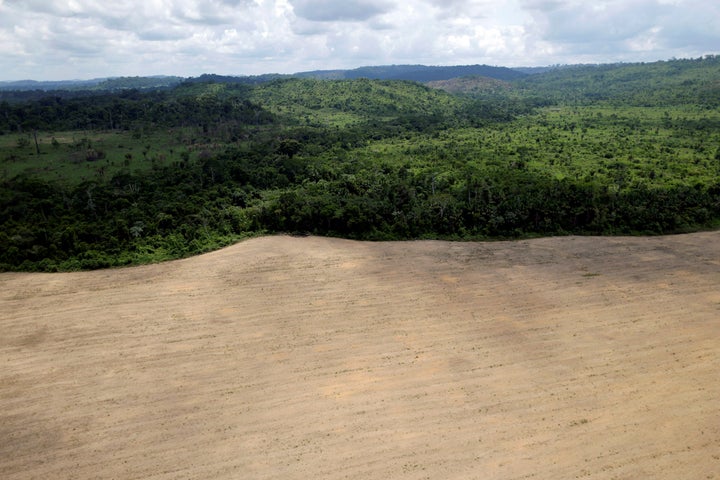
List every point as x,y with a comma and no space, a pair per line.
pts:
309,358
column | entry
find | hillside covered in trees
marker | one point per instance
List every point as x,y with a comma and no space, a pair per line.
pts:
106,178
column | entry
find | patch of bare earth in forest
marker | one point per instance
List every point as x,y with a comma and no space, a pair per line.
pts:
297,358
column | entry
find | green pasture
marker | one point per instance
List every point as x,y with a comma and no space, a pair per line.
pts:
72,157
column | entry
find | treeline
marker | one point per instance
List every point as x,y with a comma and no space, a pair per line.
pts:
499,203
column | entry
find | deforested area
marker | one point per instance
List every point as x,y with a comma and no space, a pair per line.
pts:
299,357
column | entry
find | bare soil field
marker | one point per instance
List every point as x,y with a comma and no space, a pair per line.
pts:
314,358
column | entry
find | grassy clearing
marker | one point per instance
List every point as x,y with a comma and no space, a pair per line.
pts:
72,157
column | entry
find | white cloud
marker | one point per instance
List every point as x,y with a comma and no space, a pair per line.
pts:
626,29
334,11
54,39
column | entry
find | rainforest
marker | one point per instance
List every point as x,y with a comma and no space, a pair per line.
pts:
136,172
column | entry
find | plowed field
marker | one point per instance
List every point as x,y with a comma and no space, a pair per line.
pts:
314,358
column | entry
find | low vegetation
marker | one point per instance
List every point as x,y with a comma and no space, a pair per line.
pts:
108,179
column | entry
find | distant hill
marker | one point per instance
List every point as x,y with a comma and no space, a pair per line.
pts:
672,82
473,85
123,83
244,79
361,98
536,70
103,84
54,85
417,73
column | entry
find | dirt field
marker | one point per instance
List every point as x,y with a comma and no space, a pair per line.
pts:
311,358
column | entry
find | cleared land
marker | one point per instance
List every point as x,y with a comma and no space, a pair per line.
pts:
297,358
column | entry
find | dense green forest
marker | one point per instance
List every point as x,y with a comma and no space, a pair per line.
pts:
109,178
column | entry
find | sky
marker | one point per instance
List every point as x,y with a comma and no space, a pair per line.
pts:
85,39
